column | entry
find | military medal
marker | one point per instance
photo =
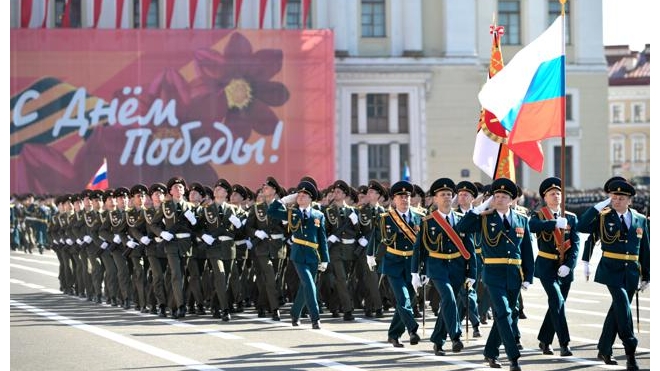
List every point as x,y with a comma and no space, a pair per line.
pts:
520,231
639,232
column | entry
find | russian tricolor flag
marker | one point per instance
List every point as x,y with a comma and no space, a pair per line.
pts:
528,95
100,179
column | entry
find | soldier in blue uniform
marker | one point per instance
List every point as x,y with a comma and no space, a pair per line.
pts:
309,250
508,264
396,232
558,244
448,259
624,237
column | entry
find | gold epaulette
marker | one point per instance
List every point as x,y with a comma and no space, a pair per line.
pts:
487,212
382,215
520,212
427,217
606,211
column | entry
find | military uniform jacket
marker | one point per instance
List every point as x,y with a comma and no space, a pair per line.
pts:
137,228
260,219
310,244
339,223
499,244
544,268
431,240
606,226
394,233
215,222
92,225
154,221
173,219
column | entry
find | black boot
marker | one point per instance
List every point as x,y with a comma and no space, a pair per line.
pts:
161,311
226,316
631,362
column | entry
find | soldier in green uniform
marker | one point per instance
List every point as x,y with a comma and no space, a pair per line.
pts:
92,243
106,236
238,197
137,229
269,249
197,259
155,248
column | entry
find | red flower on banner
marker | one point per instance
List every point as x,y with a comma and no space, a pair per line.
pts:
234,87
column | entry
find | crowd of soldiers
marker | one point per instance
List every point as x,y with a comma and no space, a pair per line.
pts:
174,249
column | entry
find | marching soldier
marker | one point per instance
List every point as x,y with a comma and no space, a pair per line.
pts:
92,242
309,251
197,259
178,220
269,249
448,259
155,246
396,232
219,225
624,237
106,235
508,264
558,244
342,228
370,211
137,229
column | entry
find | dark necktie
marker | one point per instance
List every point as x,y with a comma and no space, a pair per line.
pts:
555,214
304,212
506,223
405,217
624,227
448,220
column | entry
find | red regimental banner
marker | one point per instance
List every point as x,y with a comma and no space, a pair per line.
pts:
202,104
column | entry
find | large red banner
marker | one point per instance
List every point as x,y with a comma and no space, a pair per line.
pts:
201,104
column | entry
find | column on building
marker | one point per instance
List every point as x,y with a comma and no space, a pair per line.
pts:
459,20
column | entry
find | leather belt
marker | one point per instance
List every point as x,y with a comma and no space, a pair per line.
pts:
348,241
279,236
225,238
394,251
438,255
626,256
305,243
182,235
547,255
502,261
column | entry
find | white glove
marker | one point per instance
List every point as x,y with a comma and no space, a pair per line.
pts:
190,216
132,244
145,240
363,242
69,242
525,285
116,239
354,218
62,241
289,198
586,269
79,241
333,238
563,271
643,285
235,221
484,205
260,234
249,244
104,245
470,282
561,222
87,239
416,281
56,242
371,262
208,239
601,205
167,236
323,266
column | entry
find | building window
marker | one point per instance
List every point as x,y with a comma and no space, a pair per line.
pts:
377,113
379,162
355,164
617,150
616,111
404,159
152,16
508,15
554,11
224,18
638,112
74,13
569,107
568,164
373,18
638,148
403,113
294,15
